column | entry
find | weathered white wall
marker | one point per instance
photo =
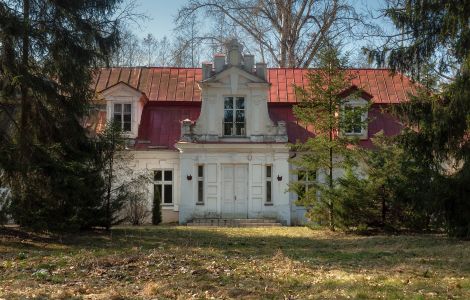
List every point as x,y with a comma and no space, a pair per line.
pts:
149,161
213,157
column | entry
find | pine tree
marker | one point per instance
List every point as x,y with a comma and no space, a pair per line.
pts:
48,51
323,105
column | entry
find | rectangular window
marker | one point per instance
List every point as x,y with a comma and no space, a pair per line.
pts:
123,116
306,180
234,116
352,120
269,184
200,184
163,186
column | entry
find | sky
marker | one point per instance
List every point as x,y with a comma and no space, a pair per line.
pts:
161,15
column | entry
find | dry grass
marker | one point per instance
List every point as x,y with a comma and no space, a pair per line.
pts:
222,263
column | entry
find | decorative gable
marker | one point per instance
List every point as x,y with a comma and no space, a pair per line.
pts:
234,102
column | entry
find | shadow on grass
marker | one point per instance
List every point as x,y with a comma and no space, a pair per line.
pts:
312,248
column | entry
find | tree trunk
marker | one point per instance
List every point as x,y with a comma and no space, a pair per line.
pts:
330,204
25,105
110,181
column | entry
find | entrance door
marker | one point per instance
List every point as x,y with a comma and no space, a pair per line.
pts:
235,191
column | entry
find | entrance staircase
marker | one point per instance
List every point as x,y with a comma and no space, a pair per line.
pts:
203,222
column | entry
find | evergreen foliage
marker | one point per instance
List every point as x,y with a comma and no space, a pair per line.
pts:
436,36
123,197
389,194
111,147
156,208
322,105
47,53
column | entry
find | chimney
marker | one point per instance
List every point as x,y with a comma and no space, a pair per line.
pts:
219,62
261,70
206,70
249,61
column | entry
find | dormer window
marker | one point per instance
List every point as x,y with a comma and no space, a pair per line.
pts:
122,115
234,116
353,123
354,118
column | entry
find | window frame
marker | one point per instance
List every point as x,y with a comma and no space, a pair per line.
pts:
352,104
268,190
234,122
164,183
200,185
123,114
306,182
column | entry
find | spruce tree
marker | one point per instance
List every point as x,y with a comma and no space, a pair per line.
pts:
322,106
48,51
435,36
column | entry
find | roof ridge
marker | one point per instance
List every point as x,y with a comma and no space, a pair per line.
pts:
146,67
198,68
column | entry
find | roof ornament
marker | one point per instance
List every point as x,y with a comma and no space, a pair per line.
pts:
187,130
234,52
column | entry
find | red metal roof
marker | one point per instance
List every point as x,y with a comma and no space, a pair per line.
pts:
159,84
160,126
381,84
180,84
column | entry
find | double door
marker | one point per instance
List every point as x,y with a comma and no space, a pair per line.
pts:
235,191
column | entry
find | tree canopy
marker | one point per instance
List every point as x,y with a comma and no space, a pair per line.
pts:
287,33
48,51
433,47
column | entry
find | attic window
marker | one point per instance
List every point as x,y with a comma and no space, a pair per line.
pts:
234,116
353,124
122,116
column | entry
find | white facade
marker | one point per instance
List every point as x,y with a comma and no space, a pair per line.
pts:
235,181
232,162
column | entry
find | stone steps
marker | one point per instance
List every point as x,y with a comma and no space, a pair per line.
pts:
234,223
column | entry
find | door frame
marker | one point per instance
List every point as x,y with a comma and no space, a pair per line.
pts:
234,214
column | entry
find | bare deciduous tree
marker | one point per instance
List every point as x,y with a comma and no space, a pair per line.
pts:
286,33
129,53
150,46
186,46
163,52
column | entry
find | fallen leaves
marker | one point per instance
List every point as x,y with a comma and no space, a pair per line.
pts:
223,263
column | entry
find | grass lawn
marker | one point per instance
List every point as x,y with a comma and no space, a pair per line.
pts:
176,262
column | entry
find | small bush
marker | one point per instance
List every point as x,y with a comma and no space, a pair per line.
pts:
4,205
156,208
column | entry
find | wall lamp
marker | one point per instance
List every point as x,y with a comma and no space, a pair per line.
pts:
279,178
189,177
